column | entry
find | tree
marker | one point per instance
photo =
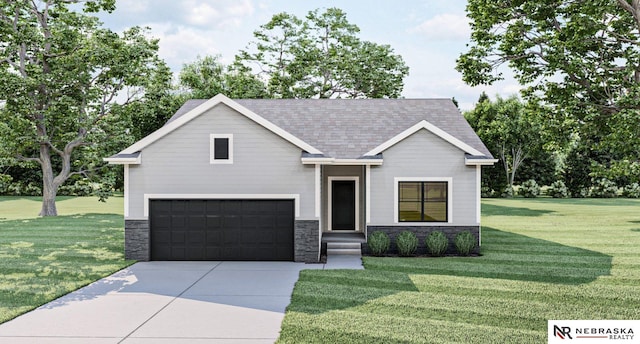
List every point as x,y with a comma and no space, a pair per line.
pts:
512,131
206,77
581,58
322,57
60,74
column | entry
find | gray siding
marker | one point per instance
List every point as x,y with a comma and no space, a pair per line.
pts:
423,154
263,163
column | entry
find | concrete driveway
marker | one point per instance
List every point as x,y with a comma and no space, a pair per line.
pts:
170,302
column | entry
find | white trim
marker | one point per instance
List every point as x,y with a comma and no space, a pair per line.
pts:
333,161
124,161
479,201
126,191
478,192
202,108
449,181
329,199
479,162
367,189
318,190
212,159
430,127
295,197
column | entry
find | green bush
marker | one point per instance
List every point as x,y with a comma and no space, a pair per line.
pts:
378,243
631,191
465,242
5,182
529,189
22,189
436,243
80,187
486,192
507,192
604,188
558,190
407,243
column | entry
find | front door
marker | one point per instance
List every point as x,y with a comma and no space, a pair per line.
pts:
343,205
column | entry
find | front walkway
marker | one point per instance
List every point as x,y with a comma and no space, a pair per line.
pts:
171,302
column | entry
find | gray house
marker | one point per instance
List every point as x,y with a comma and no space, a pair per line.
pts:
276,179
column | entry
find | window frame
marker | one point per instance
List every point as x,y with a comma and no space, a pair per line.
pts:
212,148
396,205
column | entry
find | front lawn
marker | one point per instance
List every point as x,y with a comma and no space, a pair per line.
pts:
42,259
542,259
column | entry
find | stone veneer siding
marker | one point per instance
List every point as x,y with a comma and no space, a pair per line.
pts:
422,232
306,240
136,240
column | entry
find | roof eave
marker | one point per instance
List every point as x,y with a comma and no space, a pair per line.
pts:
482,161
124,159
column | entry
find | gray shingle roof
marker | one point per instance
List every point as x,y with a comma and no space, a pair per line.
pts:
348,128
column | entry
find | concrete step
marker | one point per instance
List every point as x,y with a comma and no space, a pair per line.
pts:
350,248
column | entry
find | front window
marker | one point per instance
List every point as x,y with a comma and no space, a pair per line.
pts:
423,201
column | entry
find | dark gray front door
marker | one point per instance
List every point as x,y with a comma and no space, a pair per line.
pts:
343,205
221,229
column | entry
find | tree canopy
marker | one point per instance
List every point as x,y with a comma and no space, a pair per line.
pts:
581,58
60,75
514,132
322,56
207,76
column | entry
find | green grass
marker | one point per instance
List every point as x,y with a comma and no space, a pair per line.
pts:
42,259
542,259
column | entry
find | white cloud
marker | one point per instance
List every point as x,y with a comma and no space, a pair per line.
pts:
219,14
182,44
444,27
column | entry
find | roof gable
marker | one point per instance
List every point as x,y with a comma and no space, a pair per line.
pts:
201,107
431,128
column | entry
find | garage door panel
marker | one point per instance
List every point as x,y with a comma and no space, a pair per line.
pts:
221,229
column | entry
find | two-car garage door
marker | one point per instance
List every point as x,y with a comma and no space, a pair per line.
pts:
214,229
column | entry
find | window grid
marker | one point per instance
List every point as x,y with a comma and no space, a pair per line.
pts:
423,201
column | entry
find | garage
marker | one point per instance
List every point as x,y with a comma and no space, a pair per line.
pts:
216,229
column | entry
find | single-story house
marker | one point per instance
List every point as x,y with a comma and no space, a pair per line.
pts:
273,179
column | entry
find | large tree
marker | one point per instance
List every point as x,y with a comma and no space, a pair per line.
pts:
513,132
207,76
60,75
322,56
581,58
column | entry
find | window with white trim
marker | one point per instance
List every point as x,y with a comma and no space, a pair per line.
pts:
423,201
221,149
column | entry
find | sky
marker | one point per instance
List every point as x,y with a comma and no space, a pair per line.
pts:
428,34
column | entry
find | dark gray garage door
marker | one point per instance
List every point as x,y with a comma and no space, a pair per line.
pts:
221,229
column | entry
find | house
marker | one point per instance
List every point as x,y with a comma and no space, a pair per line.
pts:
272,179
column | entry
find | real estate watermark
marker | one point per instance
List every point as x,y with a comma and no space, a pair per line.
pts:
593,331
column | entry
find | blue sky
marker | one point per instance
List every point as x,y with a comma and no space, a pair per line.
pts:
428,34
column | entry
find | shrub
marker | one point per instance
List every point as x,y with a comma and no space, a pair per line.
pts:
604,188
378,243
486,192
558,190
631,191
507,192
436,243
5,181
80,187
407,243
22,189
529,189
465,243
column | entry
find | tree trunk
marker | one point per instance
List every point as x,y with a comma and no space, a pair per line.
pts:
49,187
